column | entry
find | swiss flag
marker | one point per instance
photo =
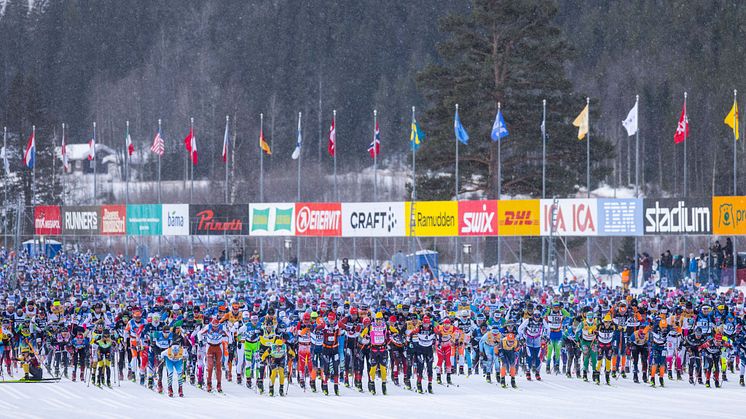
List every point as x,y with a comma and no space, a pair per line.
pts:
682,129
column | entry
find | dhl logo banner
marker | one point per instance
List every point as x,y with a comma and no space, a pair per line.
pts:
432,218
519,217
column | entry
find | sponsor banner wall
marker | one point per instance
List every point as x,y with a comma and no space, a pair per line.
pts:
620,217
113,220
80,220
520,217
144,220
218,220
477,218
272,219
677,216
47,220
175,219
432,218
729,215
569,217
318,219
373,219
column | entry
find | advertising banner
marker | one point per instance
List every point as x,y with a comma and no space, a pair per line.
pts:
519,217
729,215
272,219
80,220
175,219
678,216
373,219
318,219
47,220
432,218
144,220
620,217
113,220
569,217
218,220
477,218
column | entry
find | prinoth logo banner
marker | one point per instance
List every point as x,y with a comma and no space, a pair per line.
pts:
113,220
569,217
318,219
219,220
373,219
47,220
80,220
678,216
477,218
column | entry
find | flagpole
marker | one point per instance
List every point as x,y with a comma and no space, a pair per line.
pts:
414,191
686,128
33,169
637,183
191,184
336,190
543,182
227,148
5,183
261,180
499,195
588,180
735,185
160,198
375,180
458,253
95,169
126,184
300,157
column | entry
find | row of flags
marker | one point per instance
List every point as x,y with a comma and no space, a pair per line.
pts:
416,137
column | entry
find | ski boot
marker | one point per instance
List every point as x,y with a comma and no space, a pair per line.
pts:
725,377
325,389
548,367
313,385
585,376
468,372
670,375
460,370
538,376
699,380
707,383
635,379
556,370
448,379
150,383
383,388
239,379
209,387
645,377
438,378
73,377
568,374
160,388
372,387
678,375
191,379
181,391
359,385
407,383
608,382
282,390
613,374
691,380
741,382
652,382
488,377
271,391
717,383
82,376
336,389
502,382
512,382
248,382
170,391
528,375
660,381
120,377
430,387
597,378
419,387
623,374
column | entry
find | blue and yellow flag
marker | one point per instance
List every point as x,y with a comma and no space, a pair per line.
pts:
416,136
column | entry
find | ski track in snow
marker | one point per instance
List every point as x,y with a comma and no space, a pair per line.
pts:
554,396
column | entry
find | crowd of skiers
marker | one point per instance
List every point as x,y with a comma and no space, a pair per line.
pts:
111,319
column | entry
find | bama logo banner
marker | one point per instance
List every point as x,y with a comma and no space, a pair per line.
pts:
432,218
729,215
322,219
83,220
620,217
272,219
144,220
175,219
477,218
47,220
569,217
518,217
373,219
677,216
113,220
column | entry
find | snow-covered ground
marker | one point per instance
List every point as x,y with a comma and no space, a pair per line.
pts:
554,397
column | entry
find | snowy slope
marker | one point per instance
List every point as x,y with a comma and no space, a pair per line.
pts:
555,396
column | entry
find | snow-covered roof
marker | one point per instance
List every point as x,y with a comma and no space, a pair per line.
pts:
80,151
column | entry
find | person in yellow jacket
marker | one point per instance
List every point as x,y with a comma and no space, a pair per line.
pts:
276,357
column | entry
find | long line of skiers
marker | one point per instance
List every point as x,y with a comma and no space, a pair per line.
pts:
94,321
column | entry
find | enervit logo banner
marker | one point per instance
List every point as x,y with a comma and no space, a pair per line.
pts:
620,217
373,219
322,219
272,219
47,220
477,218
518,217
175,219
569,217
144,220
83,221
113,220
729,215
432,218
218,220
678,216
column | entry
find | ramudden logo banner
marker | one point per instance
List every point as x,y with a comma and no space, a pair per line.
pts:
569,217
272,219
432,218
373,219
520,217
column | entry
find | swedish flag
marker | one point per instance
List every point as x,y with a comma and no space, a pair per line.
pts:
416,136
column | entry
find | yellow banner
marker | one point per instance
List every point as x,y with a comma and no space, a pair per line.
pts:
518,218
432,218
729,215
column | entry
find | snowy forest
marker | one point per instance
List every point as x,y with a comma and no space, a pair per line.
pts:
109,61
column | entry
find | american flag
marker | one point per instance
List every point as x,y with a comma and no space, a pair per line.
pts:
158,146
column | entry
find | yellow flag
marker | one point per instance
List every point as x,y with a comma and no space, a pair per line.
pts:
582,123
263,144
731,119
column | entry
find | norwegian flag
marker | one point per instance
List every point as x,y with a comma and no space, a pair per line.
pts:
374,149
332,146
130,146
158,147
65,162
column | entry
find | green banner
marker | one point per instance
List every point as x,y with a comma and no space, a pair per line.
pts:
144,220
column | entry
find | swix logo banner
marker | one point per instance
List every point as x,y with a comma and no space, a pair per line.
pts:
569,217
620,217
518,217
677,216
47,220
113,220
218,220
477,218
373,219
318,219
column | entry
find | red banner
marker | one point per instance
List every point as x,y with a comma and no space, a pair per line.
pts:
477,218
318,219
47,220
113,220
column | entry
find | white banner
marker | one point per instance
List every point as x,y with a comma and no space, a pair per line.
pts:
272,219
569,217
175,219
373,219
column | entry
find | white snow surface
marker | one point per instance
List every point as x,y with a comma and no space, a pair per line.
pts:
553,397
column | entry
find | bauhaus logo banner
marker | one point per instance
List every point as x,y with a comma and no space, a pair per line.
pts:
520,217
569,217
175,219
432,218
477,218
218,220
729,215
373,219
82,221
677,216
47,220
323,219
272,219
